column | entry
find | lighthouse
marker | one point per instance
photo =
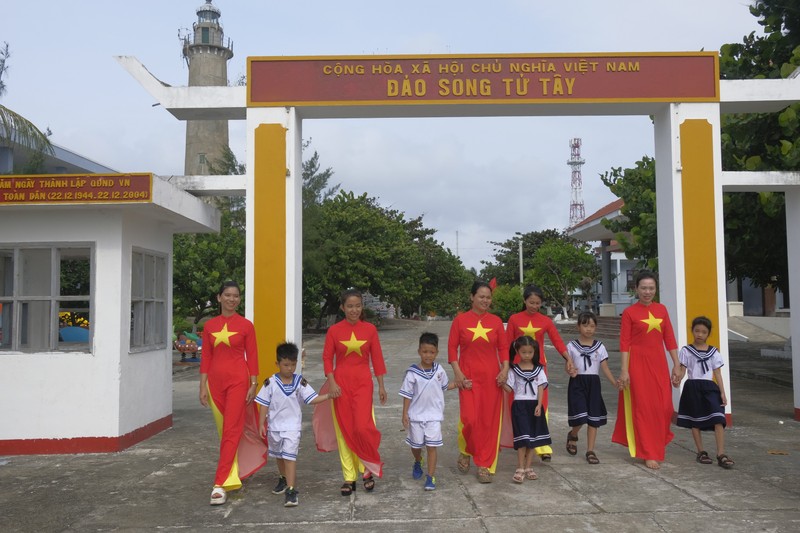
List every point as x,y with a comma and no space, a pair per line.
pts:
206,52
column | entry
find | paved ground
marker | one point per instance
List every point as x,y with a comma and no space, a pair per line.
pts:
164,482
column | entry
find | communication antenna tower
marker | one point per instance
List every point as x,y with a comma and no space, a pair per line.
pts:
575,162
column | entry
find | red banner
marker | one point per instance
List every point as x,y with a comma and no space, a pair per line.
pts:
76,189
403,80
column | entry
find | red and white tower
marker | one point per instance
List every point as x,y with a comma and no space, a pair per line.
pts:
575,162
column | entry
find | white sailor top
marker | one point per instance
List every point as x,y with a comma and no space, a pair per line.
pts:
700,364
284,402
587,359
525,383
425,389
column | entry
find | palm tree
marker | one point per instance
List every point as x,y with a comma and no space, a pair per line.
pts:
14,128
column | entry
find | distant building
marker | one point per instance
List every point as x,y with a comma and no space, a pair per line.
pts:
618,271
14,158
207,53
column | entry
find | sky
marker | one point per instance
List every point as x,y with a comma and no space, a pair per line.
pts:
474,180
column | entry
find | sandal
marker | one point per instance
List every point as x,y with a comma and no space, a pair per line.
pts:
546,457
483,475
530,474
591,458
572,449
703,458
218,496
519,475
724,461
348,488
369,482
463,463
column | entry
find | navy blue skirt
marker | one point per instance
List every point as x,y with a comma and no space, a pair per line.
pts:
530,431
700,405
585,403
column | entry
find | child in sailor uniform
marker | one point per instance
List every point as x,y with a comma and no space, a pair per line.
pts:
703,400
527,380
423,407
281,418
585,403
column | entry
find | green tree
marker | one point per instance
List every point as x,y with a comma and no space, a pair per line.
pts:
201,262
505,266
560,266
316,189
755,223
637,232
366,247
14,128
446,280
506,300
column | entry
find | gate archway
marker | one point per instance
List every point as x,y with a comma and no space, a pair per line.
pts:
681,91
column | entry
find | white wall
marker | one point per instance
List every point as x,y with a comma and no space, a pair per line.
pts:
145,393
67,395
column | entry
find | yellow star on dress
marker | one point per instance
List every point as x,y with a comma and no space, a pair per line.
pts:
480,332
529,330
223,336
652,322
353,345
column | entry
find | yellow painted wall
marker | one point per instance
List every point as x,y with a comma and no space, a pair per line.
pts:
699,225
269,237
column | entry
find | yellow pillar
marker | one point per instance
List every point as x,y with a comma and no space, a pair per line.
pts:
269,237
699,223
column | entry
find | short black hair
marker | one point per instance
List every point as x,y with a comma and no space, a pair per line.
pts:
287,350
643,275
586,316
429,338
702,321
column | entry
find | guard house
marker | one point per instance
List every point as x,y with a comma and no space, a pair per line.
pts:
86,307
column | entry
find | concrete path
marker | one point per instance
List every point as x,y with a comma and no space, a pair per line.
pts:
164,483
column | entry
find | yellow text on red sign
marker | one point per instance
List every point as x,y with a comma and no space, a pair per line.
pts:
76,188
482,79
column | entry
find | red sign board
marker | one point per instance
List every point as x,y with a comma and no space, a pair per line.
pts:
481,79
76,189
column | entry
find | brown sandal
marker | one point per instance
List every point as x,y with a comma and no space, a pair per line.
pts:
463,463
483,475
348,488
572,449
591,458
724,461
369,482
703,458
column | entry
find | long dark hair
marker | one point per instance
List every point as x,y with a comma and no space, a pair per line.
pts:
349,293
528,291
226,284
477,285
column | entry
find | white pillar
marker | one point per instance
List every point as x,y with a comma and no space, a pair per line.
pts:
792,197
674,265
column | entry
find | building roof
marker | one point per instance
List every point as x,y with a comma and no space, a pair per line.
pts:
61,161
591,228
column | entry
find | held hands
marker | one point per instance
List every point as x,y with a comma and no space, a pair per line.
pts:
502,378
251,393
570,369
624,380
334,391
677,377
